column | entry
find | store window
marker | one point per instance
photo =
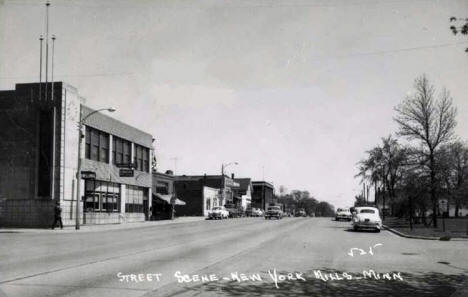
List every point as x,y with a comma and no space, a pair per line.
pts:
96,145
134,199
101,196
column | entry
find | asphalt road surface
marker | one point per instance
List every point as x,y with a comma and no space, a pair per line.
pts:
236,257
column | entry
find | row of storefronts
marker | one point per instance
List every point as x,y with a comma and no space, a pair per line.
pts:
41,154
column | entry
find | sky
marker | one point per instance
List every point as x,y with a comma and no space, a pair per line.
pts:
294,91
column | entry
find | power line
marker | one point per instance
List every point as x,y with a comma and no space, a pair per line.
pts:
380,52
266,4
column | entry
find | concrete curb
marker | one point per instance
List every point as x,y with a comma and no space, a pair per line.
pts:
421,237
104,227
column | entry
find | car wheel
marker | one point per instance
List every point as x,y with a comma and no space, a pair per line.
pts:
377,230
355,228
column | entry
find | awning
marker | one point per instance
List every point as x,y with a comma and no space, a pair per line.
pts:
168,198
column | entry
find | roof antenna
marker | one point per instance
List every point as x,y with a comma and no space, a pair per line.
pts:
40,66
47,49
52,70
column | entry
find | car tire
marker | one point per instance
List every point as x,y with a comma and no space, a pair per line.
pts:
377,230
355,228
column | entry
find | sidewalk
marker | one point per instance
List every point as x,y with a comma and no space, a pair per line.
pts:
100,228
455,229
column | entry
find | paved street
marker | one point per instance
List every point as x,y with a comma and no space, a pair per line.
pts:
236,257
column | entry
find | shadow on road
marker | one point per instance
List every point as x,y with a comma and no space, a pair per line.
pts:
360,231
429,284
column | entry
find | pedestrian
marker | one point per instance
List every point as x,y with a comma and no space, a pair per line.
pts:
57,215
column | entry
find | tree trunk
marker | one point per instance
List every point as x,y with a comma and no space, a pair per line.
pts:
411,213
433,190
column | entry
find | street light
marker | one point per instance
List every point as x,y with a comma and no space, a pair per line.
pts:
224,166
78,171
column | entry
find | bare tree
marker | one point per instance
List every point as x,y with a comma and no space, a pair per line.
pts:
454,171
459,26
430,121
383,167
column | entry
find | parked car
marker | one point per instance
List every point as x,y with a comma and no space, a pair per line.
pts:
300,213
254,212
274,212
234,211
343,214
258,212
366,218
218,212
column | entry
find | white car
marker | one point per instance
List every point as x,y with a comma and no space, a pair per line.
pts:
258,212
343,214
218,212
366,218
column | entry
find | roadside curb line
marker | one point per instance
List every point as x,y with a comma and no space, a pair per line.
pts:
96,228
416,236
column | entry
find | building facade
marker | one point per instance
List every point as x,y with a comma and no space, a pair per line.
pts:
203,192
163,192
263,194
39,160
243,194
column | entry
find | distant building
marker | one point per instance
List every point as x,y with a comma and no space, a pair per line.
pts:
39,160
263,194
163,196
243,194
203,192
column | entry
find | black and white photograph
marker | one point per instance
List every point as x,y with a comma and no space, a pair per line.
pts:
159,148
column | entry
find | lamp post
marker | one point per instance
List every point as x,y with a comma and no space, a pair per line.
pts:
224,166
78,170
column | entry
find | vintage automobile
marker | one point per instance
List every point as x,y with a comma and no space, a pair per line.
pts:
273,212
234,211
343,214
300,213
366,218
218,212
254,212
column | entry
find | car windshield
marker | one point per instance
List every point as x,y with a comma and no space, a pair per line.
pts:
367,211
339,209
274,208
216,208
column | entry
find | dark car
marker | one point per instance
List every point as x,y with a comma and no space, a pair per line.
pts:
234,211
274,212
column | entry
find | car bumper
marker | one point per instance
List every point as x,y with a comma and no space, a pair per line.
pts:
370,226
343,217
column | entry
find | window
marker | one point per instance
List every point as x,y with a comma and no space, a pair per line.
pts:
141,158
367,211
146,160
134,199
96,145
121,150
162,188
101,196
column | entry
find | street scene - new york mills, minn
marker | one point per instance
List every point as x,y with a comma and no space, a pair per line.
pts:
233,148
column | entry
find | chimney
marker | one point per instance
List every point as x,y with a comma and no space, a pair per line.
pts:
232,175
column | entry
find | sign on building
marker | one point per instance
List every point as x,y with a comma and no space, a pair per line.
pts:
124,172
88,175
